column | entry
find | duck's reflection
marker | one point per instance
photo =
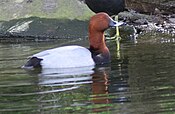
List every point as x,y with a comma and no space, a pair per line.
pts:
109,88
98,84
61,77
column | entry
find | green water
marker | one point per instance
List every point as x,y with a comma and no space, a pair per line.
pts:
139,80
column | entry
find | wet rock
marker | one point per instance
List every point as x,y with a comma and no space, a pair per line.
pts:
172,20
151,7
151,17
150,23
43,28
141,21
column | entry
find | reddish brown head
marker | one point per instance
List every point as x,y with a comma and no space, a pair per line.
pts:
97,25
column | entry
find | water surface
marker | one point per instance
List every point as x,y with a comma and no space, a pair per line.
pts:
140,79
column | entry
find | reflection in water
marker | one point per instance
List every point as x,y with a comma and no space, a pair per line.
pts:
100,88
108,88
103,86
53,81
140,80
65,77
59,85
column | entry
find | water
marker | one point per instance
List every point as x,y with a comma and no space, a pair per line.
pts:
139,80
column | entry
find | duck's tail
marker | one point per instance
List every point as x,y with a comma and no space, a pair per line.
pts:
33,62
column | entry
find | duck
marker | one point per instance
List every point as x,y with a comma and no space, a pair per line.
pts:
111,7
73,56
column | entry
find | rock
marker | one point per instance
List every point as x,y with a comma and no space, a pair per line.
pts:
172,20
19,1
44,28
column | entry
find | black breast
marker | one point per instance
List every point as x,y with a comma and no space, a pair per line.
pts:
100,58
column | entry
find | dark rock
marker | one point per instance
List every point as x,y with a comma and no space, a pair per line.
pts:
46,28
148,23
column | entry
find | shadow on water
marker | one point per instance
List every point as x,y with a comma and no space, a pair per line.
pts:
140,79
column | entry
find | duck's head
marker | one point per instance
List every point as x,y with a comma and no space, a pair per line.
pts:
102,21
97,25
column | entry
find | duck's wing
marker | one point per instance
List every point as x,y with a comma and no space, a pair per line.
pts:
62,57
35,60
54,50
69,56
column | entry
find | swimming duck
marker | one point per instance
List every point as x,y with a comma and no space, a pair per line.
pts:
78,56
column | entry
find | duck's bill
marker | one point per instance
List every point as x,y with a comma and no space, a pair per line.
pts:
115,23
119,23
